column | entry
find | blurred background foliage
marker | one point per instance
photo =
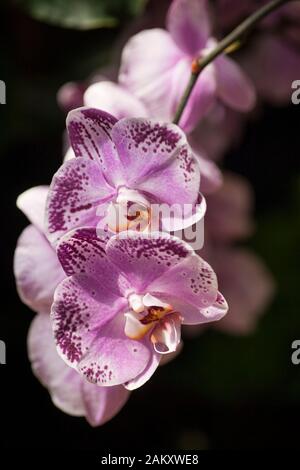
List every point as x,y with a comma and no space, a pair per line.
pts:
80,14
222,391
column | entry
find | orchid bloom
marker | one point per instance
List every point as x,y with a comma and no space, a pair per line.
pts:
124,300
156,66
122,169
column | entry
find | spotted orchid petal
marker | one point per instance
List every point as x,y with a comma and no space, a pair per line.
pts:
113,358
192,280
217,310
192,315
89,132
96,125
177,183
144,257
82,251
158,159
145,146
82,306
76,192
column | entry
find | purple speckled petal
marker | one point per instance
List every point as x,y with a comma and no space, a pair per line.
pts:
188,24
90,136
102,403
144,257
114,99
176,183
147,373
69,391
146,146
217,310
233,86
32,203
113,358
83,251
192,280
192,315
37,270
76,192
81,307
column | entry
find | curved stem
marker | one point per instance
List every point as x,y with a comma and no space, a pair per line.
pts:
231,38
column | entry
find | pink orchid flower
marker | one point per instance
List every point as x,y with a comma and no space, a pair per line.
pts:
156,67
124,300
133,161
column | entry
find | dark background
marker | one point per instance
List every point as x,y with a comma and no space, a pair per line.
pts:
222,392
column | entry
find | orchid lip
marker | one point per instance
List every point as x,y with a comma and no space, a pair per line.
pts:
150,315
129,211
